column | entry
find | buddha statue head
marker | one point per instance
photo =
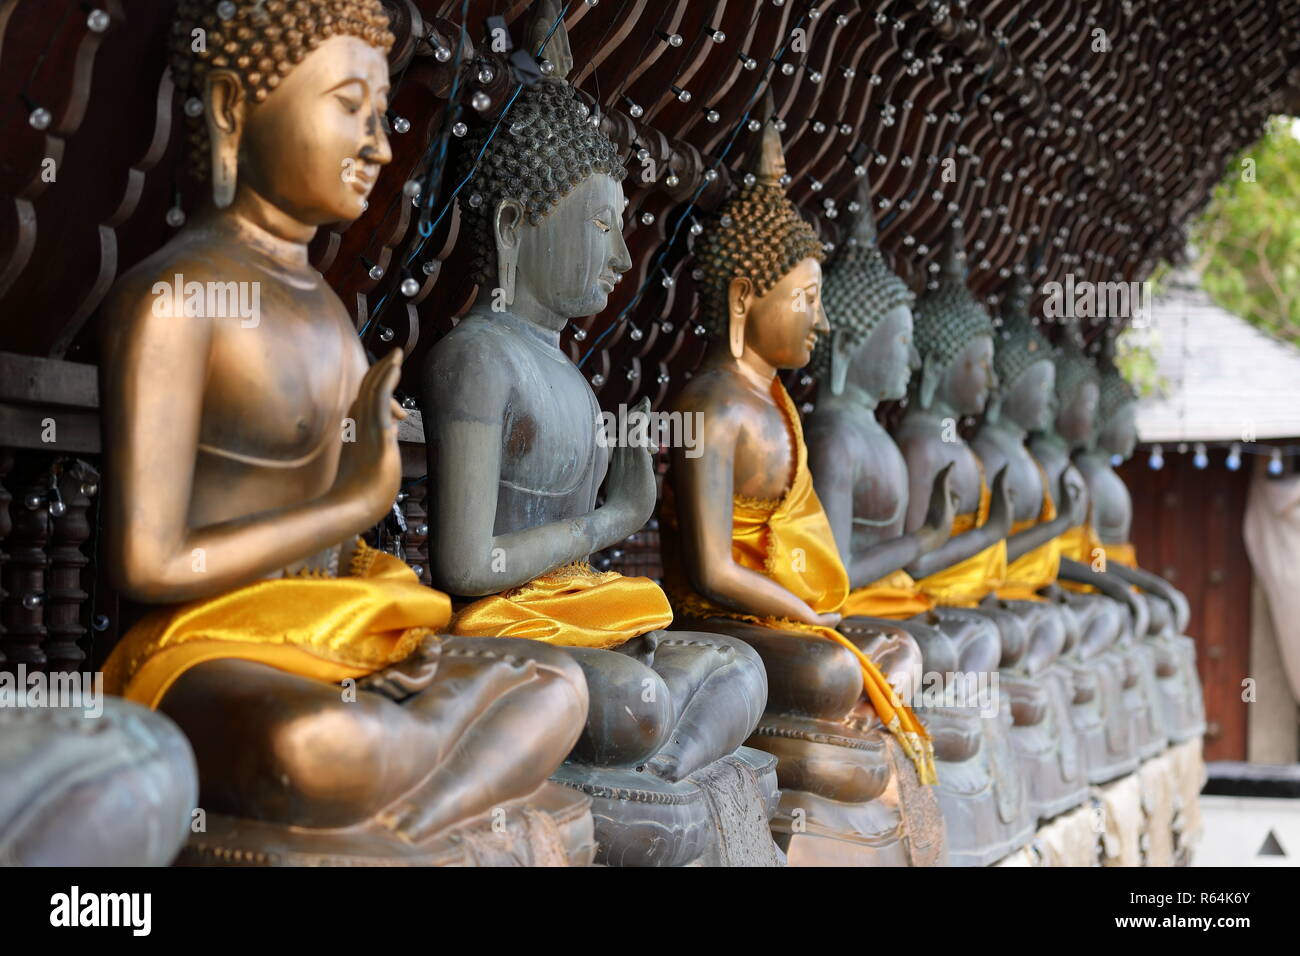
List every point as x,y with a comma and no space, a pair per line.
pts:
870,313
543,211
1116,412
954,337
285,77
759,264
1077,385
1022,359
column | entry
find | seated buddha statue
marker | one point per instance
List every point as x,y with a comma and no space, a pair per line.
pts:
954,337
861,479
331,717
748,550
517,462
1022,402
1114,439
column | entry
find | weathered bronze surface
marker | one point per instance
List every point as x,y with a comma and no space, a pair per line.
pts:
225,442
862,481
516,462
841,798
1181,711
957,377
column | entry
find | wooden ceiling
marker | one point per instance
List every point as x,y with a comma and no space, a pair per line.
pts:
1082,134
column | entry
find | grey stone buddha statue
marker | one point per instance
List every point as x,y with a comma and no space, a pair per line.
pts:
1174,655
862,482
954,336
1022,403
748,550
517,470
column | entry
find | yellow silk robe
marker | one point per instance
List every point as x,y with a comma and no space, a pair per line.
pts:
966,583
1039,567
311,624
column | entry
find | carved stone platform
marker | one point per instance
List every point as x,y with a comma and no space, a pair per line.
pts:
550,827
849,797
112,790
982,799
1051,759
717,816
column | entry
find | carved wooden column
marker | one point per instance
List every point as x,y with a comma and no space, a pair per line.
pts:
416,538
64,595
24,617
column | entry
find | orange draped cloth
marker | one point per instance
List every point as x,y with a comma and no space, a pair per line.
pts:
1039,567
1083,544
314,625
790,541
966,583
894,597
573,606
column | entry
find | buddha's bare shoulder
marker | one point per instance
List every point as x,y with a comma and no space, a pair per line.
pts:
719,395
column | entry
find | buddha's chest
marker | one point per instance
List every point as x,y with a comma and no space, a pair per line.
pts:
278,391
765,455
880,494
549,428
1112,506
1026,484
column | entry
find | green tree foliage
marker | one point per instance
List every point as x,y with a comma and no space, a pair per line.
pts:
1248,239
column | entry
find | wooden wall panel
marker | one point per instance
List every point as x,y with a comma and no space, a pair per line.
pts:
1187,528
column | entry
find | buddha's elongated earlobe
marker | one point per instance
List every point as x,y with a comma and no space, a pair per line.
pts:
930,375
737,313
839,363
505,227
225,121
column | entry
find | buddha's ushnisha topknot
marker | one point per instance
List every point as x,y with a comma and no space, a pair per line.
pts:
1019,343
948,317
756,235
859,288
261,42
544,147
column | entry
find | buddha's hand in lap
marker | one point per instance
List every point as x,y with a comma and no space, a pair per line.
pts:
407,677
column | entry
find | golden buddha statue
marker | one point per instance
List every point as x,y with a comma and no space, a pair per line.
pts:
516,461
862,482
954,335
330,716
748,549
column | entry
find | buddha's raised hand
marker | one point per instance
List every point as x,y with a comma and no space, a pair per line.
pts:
942,509
370,465
1001,509
630,487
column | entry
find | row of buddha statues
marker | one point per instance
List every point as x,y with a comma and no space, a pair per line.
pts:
765,704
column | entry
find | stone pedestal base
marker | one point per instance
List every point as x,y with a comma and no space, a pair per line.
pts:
718,816
982,799
899,826
1146,818
551,827
1051,762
